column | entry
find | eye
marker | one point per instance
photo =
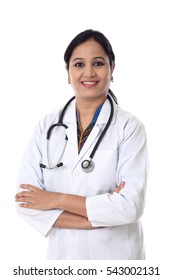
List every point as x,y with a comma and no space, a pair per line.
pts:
79,64
98,63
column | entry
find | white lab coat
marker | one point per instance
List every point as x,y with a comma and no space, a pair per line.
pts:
121,156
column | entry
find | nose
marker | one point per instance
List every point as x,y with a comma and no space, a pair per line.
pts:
89,72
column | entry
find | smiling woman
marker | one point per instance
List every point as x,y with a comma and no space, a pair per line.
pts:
90,73
102,205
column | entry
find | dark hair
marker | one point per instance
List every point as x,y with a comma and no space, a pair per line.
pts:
99,38
85,36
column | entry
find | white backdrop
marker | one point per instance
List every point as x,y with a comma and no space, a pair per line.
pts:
34,35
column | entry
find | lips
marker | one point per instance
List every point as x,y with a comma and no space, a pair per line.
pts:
89,84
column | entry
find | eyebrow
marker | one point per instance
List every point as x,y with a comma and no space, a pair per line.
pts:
81,58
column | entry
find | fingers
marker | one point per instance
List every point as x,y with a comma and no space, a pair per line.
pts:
24,196
21,194
21,198
26,205
28,197
28,187
24,201
120,187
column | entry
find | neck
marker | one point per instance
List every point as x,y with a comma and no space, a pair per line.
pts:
88,106
86,110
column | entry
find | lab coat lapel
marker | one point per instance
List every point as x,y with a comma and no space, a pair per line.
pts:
71,131
96,131
92,138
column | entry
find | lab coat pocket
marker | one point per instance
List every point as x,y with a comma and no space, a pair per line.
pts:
103,178
52,250
110,243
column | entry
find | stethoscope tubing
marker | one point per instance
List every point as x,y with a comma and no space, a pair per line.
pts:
105,129
60,121
87,165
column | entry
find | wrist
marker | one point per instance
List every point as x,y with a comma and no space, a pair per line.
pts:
58,198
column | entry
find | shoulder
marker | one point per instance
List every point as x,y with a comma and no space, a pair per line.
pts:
46,121
128,123
127,118
53,117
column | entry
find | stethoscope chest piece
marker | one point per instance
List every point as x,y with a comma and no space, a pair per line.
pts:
87,165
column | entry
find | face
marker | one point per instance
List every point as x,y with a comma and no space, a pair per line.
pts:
90,71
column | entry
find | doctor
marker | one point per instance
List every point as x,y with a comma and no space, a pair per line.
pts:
88,212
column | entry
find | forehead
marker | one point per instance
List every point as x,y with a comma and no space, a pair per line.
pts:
88,49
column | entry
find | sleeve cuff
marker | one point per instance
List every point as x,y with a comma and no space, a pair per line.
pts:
42,221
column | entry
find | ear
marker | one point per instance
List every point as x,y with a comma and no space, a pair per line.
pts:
113,67
112,70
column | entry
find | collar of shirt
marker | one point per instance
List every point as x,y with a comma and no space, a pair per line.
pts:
82,136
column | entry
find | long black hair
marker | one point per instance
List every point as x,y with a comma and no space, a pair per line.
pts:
99,38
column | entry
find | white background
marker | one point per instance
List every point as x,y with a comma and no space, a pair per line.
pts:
33,82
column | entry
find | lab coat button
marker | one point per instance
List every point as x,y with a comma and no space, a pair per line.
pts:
72,232
75,173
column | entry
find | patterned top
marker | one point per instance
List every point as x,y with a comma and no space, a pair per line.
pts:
83,135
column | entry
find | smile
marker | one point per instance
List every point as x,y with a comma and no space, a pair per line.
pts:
88,84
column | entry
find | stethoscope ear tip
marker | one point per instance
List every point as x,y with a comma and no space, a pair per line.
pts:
60,164
42,165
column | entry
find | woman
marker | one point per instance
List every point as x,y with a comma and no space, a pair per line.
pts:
88,212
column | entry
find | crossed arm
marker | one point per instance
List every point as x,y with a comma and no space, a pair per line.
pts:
74,206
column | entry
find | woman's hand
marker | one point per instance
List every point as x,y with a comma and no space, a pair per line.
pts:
119,188
35,198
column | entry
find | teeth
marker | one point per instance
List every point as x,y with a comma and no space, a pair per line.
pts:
89,83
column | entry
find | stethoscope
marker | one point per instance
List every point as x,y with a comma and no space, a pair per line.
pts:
88,164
